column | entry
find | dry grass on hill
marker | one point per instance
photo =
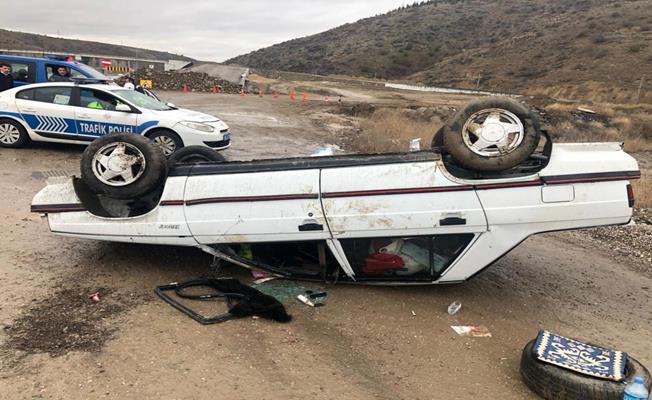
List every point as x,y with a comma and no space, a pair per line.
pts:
390,130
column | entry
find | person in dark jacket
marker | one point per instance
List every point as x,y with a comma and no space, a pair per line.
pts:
61,75
6,79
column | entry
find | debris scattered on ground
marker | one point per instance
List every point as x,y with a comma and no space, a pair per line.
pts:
323,151
454,307
585,110
283,290
312,299
472,330
415,144
95,296
66,321
242,300
263,280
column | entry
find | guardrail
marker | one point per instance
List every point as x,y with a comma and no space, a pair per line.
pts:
446,90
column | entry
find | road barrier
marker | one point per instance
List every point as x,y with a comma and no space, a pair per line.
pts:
445,90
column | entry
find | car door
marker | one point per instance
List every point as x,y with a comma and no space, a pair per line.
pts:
23,72
48,110
236,203
400,221
398,199
96,114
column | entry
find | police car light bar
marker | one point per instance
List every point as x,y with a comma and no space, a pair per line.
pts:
82,81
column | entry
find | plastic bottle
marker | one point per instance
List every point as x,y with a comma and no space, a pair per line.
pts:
455,307
636,390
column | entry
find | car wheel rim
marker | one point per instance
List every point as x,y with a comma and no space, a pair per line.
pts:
166,143
9,134
118,164
493,132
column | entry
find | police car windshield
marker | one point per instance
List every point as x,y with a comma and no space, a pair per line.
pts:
142,100
91,72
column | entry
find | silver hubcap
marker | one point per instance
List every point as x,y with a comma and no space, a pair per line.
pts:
493,132
118,164
167,144
9,134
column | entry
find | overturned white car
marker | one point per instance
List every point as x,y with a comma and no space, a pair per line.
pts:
420,217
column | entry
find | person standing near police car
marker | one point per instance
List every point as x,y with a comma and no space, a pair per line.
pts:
6,79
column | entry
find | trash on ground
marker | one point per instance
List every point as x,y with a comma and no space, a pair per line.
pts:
454,307
263,280
323,151
415,144
472,330
585,110
242,300
580,357
414,314
95,296
312,299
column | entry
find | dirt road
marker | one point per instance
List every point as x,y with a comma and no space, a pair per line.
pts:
367,342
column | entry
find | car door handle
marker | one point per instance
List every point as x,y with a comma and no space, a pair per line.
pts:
83,116
29,110
452,221
311,226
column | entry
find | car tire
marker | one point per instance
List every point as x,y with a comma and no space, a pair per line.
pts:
12,133
492,134
193,154
169,141
437,143
123,166
552,382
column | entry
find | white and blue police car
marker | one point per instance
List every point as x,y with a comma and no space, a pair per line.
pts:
74,112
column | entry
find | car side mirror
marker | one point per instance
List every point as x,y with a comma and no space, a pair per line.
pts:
170,105
123,108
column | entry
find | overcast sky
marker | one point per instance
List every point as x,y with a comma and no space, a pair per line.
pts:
206,30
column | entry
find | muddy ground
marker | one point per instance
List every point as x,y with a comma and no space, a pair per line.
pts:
367,342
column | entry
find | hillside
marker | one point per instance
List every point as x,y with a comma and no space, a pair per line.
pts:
591,48
13,40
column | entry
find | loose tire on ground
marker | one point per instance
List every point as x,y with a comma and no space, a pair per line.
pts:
12,133
123,166
169,141
552,382
492,134
192,154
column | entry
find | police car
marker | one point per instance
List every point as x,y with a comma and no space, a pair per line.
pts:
70,112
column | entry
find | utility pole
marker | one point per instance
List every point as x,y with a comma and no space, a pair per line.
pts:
640,87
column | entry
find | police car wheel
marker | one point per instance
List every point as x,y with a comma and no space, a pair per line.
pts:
168,141
123,166
12,134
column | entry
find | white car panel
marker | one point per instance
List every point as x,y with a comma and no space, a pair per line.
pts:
410,198
369,197
259,207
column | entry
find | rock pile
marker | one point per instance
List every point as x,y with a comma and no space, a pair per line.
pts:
196,81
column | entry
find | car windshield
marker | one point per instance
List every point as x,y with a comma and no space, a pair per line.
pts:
141,100
91,72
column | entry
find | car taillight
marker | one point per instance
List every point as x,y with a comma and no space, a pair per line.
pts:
630,195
